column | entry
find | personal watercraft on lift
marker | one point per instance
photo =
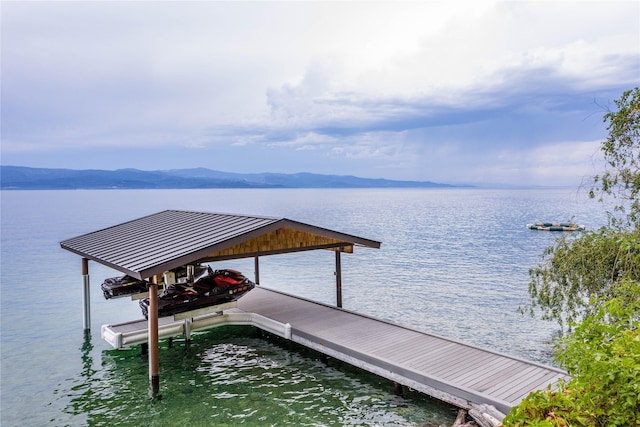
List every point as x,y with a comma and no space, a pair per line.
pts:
121,286
209,287
126,285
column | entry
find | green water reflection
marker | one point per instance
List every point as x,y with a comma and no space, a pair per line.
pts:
231,377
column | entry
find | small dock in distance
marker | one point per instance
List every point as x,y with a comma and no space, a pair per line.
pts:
461,374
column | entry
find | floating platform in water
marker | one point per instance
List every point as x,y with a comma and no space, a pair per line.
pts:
555,226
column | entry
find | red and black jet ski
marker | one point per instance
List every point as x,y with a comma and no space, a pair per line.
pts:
126,285
207,289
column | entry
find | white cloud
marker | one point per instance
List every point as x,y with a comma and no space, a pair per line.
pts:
400,87
552,164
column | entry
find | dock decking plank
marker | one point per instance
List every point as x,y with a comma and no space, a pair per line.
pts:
414,354
471,363
488,368
522,390
434,358
461,362
507,387
403,349
507,372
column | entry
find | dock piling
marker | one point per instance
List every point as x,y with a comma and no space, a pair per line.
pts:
338,279
86,296
398,389
154,350
186,329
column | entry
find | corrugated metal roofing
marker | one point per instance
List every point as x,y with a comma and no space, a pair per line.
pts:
159,242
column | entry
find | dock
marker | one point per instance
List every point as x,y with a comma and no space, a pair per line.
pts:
149,248
461,374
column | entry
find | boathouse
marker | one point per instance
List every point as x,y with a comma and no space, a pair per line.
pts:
458,373
147,247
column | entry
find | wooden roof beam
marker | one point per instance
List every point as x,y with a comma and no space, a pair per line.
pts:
227,255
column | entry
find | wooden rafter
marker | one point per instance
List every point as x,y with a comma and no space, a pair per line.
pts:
279,241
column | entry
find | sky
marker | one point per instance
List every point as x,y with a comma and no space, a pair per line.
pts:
505,92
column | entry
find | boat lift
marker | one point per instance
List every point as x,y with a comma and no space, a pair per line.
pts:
147,247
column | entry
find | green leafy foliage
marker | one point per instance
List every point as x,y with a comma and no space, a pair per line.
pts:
549,409
603,356
621,177
577,269
592,282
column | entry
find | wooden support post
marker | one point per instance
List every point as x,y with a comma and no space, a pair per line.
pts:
324,359
461,418
86,296
154,357
257,270
338,279
398,389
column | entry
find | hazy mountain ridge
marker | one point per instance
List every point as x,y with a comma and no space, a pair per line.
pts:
27,178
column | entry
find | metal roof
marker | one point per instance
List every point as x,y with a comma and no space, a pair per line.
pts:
165,240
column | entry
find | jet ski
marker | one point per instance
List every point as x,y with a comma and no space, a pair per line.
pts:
115,287
122,286
210,287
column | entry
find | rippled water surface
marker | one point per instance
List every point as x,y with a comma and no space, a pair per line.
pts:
453,262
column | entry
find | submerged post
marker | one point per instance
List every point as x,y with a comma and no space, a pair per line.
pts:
86,297
154,359
338,279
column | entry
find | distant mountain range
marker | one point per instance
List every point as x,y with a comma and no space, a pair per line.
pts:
26,178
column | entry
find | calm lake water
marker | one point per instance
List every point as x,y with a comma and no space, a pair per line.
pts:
453,262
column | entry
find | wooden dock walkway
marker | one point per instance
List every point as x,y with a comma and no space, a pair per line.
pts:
449,370
458,373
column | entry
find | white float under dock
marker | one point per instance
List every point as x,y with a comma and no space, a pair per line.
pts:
135,332
458,373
